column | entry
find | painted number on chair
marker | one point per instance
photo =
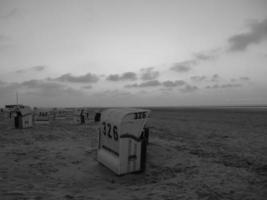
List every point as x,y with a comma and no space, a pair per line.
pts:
110,131
140,115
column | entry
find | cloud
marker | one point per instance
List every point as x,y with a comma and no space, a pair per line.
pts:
153,83
189,88
233,79
38,88
241,79
170,84
184,66
115,93
37,68
42,87
228,85
244,78
256,34
87,78
198,78
215,78
201,56
34,83
207,55
148,74
87,87
127,76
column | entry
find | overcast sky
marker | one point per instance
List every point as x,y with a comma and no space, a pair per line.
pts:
133,53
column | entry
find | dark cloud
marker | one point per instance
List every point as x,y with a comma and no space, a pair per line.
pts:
152,83
131,76
35,83
189,88
207,55
244,78
170,84
87,78
148,74
199,57
127,76
155,83
198,78
228,85
37,68
184,66
215,78
256,34
233,80
216,86
113,77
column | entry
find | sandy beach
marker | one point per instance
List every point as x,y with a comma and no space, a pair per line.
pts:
193,154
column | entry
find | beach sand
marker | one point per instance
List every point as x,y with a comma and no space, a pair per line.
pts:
193,154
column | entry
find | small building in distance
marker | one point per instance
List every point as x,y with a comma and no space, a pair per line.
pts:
9,109
23,117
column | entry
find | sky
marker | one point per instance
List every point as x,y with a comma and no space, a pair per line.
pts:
133,53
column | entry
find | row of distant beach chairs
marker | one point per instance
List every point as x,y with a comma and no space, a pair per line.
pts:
79,117
25,117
